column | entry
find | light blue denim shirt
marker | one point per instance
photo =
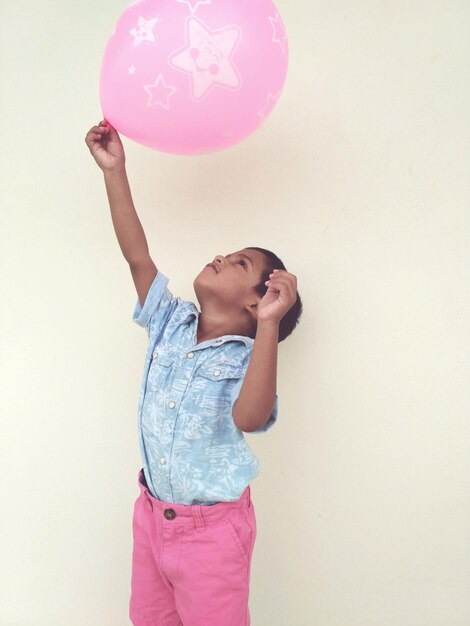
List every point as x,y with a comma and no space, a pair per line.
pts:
192,451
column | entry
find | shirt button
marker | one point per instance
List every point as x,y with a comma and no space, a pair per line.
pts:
155,354
162,461
172,405
190,355
216,372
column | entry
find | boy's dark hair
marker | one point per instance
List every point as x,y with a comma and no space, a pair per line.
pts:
292,317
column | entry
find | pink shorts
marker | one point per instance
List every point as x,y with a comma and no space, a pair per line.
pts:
191,563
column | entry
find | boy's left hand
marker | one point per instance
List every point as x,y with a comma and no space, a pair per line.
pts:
280,297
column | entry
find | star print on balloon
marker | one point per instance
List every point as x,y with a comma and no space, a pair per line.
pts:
271,100
143,31
193,4
206,56
194,76
279,35
159,92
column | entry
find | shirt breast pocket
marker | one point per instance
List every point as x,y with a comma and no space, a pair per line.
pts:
212,385
160,369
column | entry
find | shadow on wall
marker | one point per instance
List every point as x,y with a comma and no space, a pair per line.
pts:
250,169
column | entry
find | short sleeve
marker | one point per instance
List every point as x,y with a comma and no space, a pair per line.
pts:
235,392
158,307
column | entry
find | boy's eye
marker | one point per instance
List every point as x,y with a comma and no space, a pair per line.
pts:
242,262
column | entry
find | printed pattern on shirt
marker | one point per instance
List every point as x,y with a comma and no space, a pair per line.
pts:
192,451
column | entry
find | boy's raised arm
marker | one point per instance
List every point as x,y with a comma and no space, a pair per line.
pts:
106,148
127,226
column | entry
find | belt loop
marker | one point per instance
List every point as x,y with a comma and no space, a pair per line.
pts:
197,517
149,499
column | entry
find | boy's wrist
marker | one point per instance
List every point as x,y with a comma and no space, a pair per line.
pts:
268,323
268,329
115,171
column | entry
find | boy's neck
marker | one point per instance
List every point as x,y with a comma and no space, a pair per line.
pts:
204,334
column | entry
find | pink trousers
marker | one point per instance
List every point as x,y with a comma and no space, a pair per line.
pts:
191,563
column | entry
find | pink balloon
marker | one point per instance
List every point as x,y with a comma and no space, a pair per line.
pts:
193,76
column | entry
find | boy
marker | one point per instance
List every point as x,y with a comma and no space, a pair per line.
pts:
209,376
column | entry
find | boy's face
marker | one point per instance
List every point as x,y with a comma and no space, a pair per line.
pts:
229,286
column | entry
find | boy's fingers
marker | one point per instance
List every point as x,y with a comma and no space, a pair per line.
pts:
93,138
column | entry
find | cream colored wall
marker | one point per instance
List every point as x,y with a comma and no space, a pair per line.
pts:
359,181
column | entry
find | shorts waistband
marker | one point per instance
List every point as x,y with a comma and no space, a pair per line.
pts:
195,513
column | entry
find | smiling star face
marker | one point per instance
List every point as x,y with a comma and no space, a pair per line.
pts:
206,56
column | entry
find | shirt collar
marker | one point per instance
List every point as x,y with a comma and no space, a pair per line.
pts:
217,341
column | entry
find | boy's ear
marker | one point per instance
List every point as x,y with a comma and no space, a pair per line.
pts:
252,310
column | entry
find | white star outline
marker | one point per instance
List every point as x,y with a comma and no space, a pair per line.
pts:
271,100
149,89
277,25
144,30
222,41
197,3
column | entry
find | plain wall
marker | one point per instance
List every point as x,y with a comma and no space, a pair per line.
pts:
359,182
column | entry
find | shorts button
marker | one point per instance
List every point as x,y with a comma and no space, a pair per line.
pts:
169,514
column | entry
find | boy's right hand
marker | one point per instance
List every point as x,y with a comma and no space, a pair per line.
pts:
106,147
